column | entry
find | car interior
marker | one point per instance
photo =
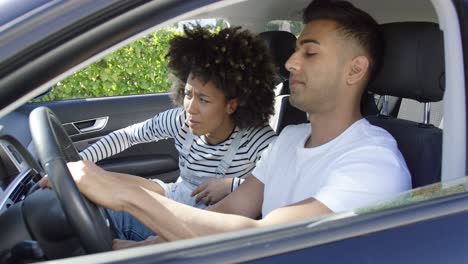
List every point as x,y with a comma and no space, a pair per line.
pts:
412,78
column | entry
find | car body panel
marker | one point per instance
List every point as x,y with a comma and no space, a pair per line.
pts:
151,160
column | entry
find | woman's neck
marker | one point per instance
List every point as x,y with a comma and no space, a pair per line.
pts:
221,133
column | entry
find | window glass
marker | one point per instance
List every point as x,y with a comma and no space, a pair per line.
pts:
139,68
294,27
421,194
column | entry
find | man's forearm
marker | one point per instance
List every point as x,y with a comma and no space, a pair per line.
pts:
167,218
136,180
175,221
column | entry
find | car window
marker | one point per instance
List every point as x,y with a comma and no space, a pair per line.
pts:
294,27
421,194
138,68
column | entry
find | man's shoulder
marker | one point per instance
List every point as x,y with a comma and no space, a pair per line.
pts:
295,130
373,135
289,138
363,139
372,143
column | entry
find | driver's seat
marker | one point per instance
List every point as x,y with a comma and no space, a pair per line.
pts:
413,68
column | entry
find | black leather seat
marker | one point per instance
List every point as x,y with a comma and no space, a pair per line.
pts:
413,68
282,45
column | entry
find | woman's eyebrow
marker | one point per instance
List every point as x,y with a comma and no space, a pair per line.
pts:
197,93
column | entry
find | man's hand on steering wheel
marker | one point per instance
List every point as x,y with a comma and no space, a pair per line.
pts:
55,149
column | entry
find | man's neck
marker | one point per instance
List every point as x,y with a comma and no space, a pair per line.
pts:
328,126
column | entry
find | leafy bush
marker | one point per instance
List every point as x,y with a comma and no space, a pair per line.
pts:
138,68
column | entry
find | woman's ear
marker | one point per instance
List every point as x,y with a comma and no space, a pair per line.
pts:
232,105
358,70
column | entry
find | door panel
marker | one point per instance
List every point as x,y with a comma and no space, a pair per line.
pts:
87,120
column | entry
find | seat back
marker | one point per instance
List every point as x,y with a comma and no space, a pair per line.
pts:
413,68
282,45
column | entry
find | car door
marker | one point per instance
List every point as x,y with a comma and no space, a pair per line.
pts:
87,120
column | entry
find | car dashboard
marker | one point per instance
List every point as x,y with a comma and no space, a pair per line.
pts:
19,170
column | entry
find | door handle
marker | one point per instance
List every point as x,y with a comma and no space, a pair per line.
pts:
91,125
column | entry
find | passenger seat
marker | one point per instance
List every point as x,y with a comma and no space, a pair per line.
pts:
282,45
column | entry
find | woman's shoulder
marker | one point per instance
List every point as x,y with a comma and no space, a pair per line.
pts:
258,135
171,120
173,114
259,131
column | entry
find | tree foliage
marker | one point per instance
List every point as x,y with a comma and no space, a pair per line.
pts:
138,68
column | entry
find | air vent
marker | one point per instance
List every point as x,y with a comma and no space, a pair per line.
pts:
15,154
24,186
11,169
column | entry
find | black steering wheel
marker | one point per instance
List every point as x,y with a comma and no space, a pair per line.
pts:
55,149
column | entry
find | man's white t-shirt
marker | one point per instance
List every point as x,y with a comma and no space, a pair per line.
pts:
359,167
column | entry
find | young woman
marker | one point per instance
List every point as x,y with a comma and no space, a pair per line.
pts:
223,88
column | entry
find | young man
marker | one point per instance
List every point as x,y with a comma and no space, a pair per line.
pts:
338,162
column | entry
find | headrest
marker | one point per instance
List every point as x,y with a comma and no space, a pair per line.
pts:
282,45
413,65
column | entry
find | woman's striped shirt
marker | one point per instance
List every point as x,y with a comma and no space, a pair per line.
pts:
203,158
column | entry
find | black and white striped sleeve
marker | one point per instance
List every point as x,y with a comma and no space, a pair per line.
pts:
261,140
258,142
236,182
161,126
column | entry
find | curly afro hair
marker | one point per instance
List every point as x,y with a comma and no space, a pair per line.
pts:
235,60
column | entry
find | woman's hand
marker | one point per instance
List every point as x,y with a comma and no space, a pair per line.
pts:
213,191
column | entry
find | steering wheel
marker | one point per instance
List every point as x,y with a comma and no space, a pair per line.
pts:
55,149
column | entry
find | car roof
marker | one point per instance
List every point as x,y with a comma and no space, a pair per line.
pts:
255,14
15,10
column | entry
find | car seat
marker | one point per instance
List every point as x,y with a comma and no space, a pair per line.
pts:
281,45
414,69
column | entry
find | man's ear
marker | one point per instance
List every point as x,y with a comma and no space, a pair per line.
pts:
232,105
358,70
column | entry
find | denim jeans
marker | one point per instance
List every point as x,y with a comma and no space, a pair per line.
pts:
128,227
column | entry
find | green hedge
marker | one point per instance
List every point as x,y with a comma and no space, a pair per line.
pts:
138,68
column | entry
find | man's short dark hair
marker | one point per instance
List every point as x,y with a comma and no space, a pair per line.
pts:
354,24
